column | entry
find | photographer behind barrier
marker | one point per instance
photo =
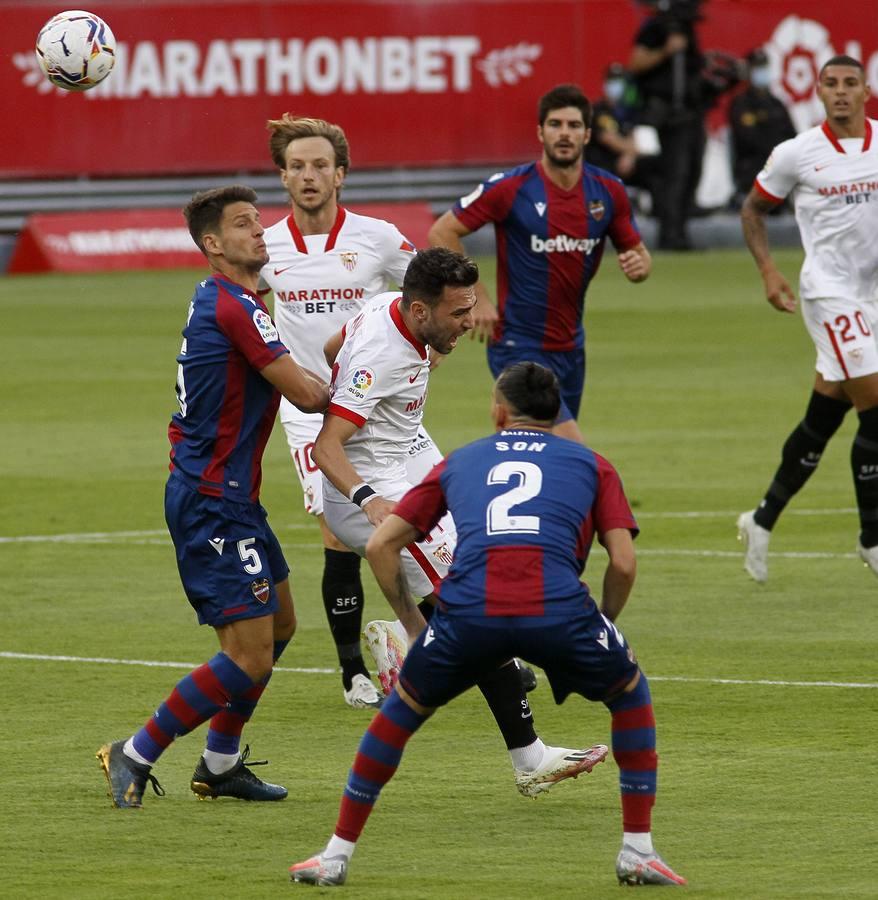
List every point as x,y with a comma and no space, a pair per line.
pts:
758,122
677,84
620,143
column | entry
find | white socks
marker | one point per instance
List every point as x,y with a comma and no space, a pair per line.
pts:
641,841
339,847
527,759
131,753
217,763
220,762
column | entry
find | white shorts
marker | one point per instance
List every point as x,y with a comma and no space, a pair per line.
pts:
302,429
844,333
425,563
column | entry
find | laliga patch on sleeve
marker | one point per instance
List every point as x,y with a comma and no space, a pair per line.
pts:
265,327
360,382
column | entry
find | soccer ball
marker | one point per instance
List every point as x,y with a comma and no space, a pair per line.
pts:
76,50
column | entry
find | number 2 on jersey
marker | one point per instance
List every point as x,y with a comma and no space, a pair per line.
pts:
530,481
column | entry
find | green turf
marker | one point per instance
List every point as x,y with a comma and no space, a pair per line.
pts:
693,384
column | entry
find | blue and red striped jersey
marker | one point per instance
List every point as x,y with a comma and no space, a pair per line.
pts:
227,408
527,506
549,247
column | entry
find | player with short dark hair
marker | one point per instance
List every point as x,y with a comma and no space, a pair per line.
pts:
430,274
560,97
833,170
552,218
528,505
231,371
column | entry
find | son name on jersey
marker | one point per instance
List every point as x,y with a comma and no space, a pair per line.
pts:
529,446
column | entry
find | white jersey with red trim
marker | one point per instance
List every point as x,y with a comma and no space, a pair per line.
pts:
322,280
835,181
379,382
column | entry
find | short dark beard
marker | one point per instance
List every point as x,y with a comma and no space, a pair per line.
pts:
563,163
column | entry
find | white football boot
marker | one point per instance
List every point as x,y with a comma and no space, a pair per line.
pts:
321,870
755,540
388,644
557,764
869,555
363,694
633,867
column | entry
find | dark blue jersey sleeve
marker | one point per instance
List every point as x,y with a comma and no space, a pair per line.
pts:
249,328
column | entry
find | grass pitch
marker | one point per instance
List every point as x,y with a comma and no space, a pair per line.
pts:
765,695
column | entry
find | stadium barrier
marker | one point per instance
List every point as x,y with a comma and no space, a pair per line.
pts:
154,238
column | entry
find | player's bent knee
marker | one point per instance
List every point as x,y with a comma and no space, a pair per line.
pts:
257,663
249,643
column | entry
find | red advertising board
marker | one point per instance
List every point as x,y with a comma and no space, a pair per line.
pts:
154,238
422,82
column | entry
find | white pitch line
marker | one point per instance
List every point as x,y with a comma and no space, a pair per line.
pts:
768,681
108,537
166,542
152,663
733,514
40,657
739,554
88,536
160,538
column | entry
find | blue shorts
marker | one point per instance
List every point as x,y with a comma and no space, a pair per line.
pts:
568,366
228,556
583,654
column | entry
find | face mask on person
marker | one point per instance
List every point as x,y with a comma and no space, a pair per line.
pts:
760,77
614,89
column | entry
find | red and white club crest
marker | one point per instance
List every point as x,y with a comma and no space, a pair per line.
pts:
442,554
261,590
349,260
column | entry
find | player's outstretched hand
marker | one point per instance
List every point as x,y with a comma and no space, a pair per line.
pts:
778,291
484,317
378,510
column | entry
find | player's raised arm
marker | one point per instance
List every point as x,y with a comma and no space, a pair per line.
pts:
302,388
620,573
448,231
382,551
778,291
